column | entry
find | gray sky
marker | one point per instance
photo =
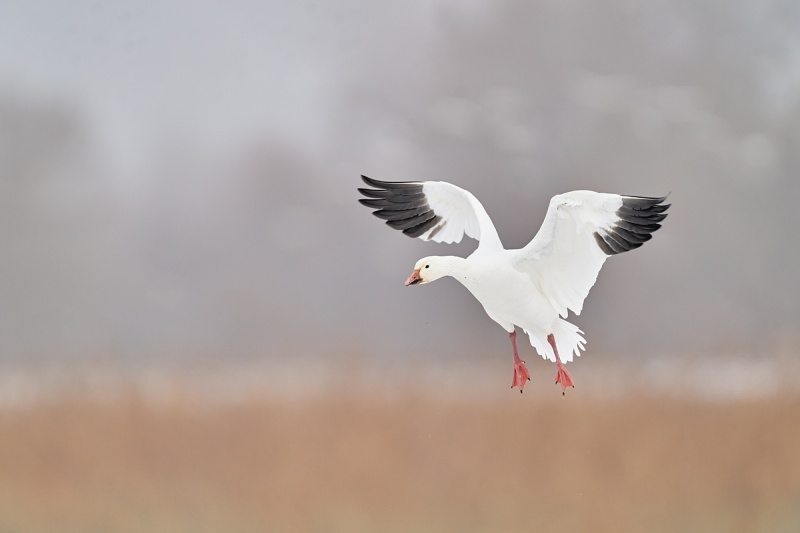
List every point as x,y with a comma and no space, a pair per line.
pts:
179,178
220,72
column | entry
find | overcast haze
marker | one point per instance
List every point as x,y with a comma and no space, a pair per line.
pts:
178,179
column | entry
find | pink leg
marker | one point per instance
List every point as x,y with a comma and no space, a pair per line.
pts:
521,374
562,376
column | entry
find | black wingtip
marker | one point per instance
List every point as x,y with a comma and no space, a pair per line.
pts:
401,204
638,218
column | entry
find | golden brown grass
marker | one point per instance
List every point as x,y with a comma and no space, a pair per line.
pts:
408,461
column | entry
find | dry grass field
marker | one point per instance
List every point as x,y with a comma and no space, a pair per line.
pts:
353,460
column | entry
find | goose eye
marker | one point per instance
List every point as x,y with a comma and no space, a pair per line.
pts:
427,266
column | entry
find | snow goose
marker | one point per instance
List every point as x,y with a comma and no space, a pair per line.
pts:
533,287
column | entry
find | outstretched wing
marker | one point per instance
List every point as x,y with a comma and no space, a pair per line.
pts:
431,210
580,230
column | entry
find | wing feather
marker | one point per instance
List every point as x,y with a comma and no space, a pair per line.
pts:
430,210
580,230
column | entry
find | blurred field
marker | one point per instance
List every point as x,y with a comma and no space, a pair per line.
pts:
354,459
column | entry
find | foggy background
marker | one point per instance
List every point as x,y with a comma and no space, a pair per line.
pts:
178,179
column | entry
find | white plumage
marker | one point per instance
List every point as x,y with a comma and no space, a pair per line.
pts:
533,287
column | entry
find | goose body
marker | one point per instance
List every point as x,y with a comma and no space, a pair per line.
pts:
533,287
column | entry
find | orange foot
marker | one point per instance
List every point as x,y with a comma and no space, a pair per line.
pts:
564,378
521,375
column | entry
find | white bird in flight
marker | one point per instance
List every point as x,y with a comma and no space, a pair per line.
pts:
532,287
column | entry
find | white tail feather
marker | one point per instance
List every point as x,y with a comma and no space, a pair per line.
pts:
568,340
